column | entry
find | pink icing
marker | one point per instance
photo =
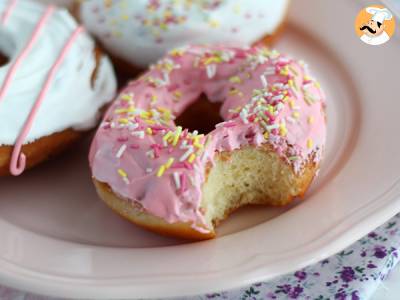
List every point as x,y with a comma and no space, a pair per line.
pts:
268,98
7,12
18,159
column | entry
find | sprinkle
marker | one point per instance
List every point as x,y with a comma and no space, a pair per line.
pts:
264,81
149,170
291,158
167,136
309,143
149,131
211,71
310,120
192,157
121,151
122,173
127,97
272,127
266,135
139,134
123,121
178,133
169,162
161,171
296,114
186,154
177,180
134,146
183,183
235,79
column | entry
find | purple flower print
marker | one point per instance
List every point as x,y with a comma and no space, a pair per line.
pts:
301,275
347,274
380,252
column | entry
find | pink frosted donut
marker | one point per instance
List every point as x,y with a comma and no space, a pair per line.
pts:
182,183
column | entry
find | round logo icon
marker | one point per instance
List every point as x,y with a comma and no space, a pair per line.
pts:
375,25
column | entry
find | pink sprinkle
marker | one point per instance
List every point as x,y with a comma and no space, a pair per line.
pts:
134,146
269,115
187,165
274,131
170,149
107,126
157,127
183,183
122,139
251,118
178,165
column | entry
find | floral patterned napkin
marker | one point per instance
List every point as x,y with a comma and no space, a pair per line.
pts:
354,273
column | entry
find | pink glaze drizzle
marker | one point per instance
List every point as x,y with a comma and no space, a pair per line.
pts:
18,159
36,33
9,9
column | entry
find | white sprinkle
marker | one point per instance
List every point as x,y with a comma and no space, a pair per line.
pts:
269,71
243,115
165,143
139,134
121,151
271,127
211,71
264,81
149,170
195,133
125,179
133,126
183,145
177,180
166,78
290,120
277,97
186,154
150,153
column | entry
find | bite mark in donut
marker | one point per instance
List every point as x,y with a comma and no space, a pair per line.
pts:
267,150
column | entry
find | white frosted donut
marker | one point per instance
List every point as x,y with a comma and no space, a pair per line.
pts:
48,79
142,31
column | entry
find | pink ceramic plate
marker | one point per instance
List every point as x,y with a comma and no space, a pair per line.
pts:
57,238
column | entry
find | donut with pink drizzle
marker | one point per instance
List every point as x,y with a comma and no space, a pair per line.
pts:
52,87
181,183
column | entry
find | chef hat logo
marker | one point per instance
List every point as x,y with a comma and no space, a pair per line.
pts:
375,25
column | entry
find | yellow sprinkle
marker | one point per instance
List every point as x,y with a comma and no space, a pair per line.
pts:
307,78
125,110
177,135
178,95
122,173
213,59
214,23
167,136
192,157
125,17
317,84
309,143
161,171
123,121
198,145
266,135
291,103
176,52
296,114
145,114
235,79
169,163
149,130
310,120
283,131
150,122
162,109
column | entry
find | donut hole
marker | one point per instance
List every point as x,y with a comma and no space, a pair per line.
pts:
202,116
4,59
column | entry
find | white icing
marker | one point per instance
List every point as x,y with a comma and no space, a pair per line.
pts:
71,102
123,25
